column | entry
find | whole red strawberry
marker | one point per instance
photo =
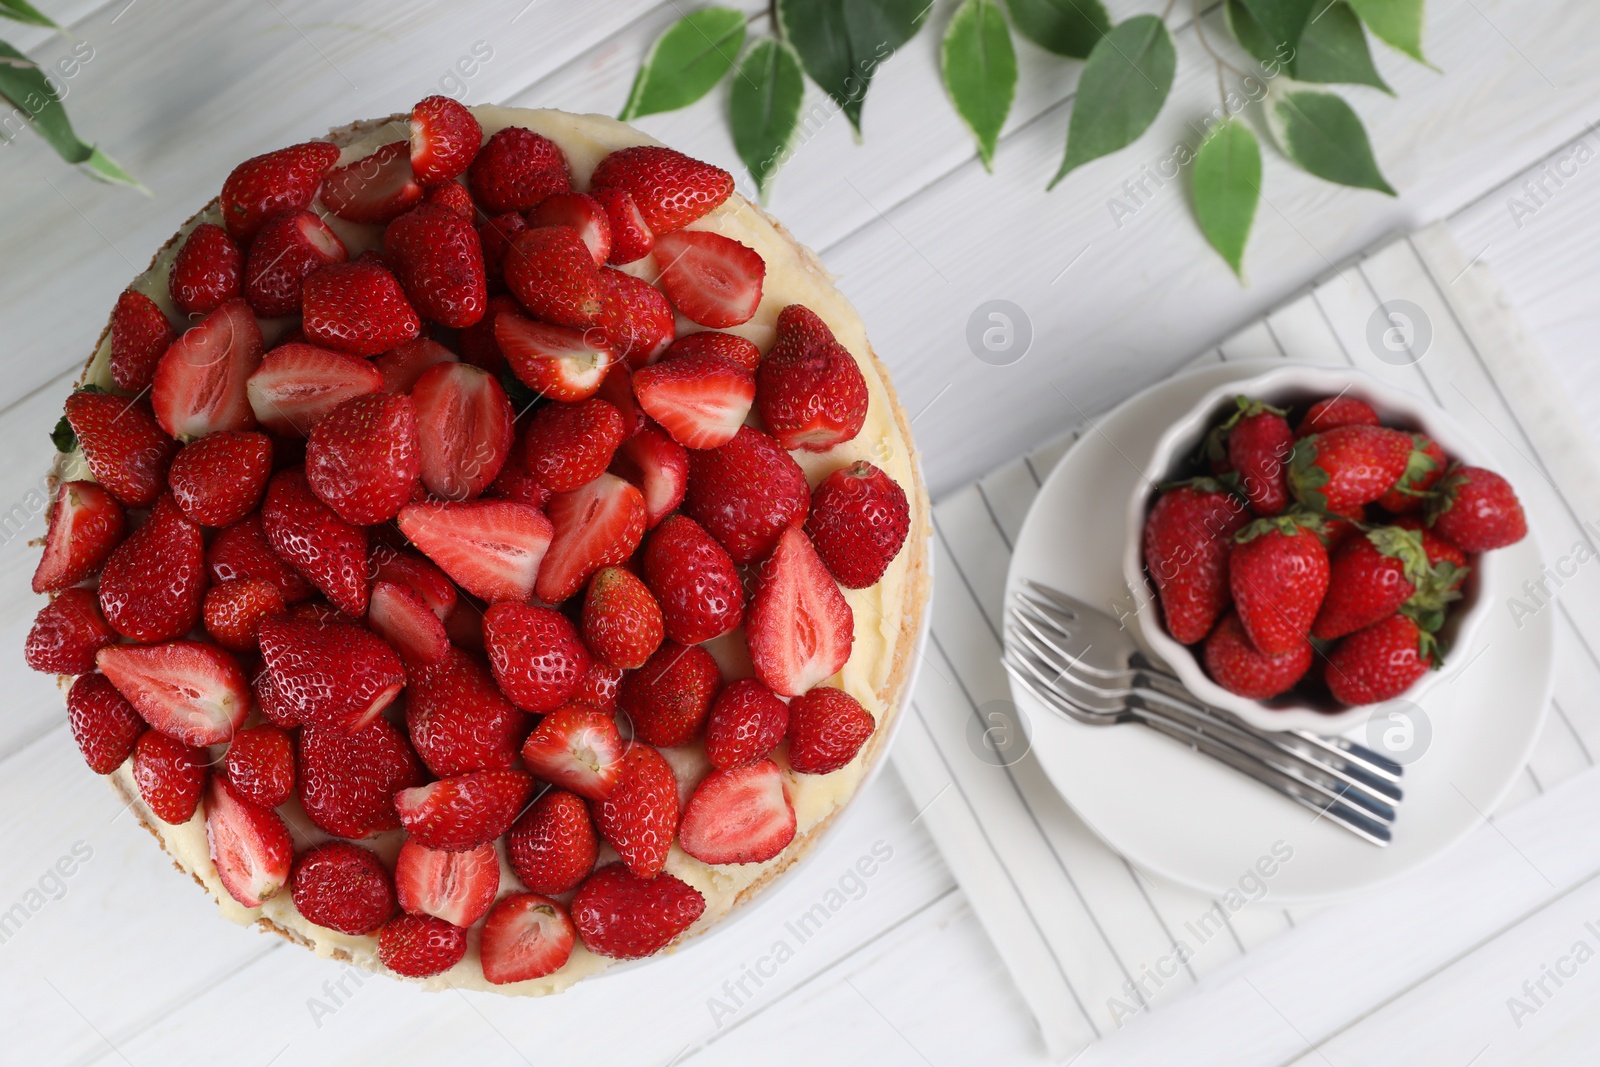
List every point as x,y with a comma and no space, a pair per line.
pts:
305,532
445,138
746,723
550,272
1380,662
553,846
1333,411
636,320
151,587
333,674
1423,471
67,634
639,817
517,168
207,270
694,581
357,308
1278,575
621,620
127,450
140,336
1477,510
103,723
859,519
809,390
730,346
624,916
343,887
1235,664
1187,538
570,445
535,654
233,611
288,249
1370,577
347,782
458,719
1442,555
750,490
260,765
461,813
363,459
438,258
285,180
241,551
420,946
668,698
827,727
1336,471
669,188
169,775
631,238
219,478
1259,442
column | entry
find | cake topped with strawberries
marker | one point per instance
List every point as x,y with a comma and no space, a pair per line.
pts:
486,547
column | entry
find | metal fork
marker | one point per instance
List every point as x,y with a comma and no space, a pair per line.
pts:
1080,662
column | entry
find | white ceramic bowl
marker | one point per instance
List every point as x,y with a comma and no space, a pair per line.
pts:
1292,385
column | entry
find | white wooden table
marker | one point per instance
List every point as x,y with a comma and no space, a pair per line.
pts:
120,961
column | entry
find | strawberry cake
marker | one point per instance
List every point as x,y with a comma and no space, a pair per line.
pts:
485,547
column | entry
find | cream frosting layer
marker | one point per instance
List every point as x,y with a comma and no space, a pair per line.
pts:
887,615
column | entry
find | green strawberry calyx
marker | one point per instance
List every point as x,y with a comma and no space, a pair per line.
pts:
1443,495
1291,523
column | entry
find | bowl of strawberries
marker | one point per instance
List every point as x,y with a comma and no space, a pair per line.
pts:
1311,542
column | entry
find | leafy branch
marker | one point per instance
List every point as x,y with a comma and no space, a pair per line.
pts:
1127,75
35,99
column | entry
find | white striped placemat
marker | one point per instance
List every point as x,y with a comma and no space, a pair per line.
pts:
1093,943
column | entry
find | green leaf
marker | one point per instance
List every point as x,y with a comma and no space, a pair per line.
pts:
1333,48
1065,27
24,84
63,437
1321,133
1281,20
1124,84
980,70
22,11
1248,32
1398,22
1227,189
764,108
685,62
843,42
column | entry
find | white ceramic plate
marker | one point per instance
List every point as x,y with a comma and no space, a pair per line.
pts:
1185,817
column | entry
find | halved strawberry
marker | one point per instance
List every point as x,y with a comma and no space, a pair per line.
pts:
242,551
103,723
199,386
639,817
599,524
459,814
169,775
151,586
444,141
700,400
713,280
584,214
730,346
743,815
459,721
552,846
458,887
260,765
363,457
375,188
305,532
811,392
404,620
437,257
346,782
669,188
694,580
207,270
827,727
631,238
493,549
746,723
746,493
140,334
658,466
578,748
558,361
535,653
403,364
262,186
218,479
330,673
668,698
420,946
289,247
526,936
192,692
567,446
516,169
127,450
250,846
233,611
635,318
423,578
550,272
358,308
799,626
86,523
463,428
67,634
298,383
